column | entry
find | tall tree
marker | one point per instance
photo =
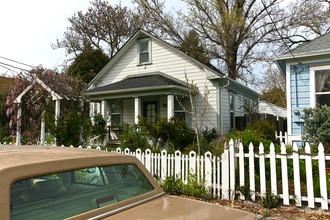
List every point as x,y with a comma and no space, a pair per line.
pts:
103,26
231,29
273,87
193,46
306,20
88,63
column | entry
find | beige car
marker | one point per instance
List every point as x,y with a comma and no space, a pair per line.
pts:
66,183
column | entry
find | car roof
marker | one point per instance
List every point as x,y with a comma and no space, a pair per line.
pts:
14,156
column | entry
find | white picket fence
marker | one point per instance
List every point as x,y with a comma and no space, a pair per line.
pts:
220,173
282,137
261,171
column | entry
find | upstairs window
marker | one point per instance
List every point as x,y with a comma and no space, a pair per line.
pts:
144,51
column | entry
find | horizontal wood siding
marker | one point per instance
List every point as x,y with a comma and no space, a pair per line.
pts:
128,111
301,90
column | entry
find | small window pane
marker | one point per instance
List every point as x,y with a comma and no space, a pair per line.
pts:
115,120
144,57
144,46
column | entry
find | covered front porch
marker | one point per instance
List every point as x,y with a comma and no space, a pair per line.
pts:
149,95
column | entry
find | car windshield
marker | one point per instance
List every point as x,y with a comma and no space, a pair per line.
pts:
66,194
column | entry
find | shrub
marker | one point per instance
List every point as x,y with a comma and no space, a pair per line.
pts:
173,186
134,137
194,187
270,201
99,126
174,134
317,125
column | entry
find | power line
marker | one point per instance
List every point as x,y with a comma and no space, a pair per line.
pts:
16,62
6,64
277,31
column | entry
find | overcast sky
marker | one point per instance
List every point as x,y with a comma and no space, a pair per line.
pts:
29,27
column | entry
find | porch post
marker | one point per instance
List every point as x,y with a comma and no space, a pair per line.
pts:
42,132
104,109
19,122
57,110
170,107
137,109
104,113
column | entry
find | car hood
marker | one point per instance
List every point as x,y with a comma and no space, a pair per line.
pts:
172,207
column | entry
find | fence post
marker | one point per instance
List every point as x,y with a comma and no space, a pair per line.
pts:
192,162
148,160
163,165
138,154
225,173
262,170
232,170
284,168
208,169
323,179
309,176
177,164
251,173
241,168
296,175
273,178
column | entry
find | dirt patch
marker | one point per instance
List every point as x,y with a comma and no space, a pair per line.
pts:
283,212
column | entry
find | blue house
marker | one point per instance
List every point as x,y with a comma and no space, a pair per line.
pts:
306,69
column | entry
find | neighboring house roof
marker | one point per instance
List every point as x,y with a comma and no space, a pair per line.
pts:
139,81
316,47
269,108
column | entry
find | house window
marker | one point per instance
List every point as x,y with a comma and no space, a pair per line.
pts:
150,111
116,113
179,112
232,111
247,105
322,87
144,51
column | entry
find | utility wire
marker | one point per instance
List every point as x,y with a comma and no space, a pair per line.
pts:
277,31
16,62
14,67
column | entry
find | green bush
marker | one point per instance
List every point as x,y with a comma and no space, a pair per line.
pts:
134,137
317,125
173,186
99,127
171,134
270,201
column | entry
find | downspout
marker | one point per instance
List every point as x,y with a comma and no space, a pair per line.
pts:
220,109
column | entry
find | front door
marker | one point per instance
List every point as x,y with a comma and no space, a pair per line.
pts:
150,111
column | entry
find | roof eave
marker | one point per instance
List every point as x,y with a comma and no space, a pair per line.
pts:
134,90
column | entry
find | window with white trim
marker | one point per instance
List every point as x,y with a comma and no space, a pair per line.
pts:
179,112
322,87
116,110
144,51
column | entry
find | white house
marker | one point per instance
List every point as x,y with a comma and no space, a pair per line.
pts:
148,77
